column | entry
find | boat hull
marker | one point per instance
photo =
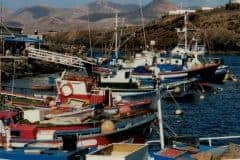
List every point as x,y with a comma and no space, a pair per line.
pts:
117,85
137,131
85,99
206,72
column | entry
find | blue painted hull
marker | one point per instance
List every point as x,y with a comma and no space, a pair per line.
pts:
48,154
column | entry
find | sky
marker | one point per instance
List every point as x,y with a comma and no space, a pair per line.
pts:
16,4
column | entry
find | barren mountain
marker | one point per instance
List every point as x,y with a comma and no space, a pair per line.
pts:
158,7
100,14
151,11
104,6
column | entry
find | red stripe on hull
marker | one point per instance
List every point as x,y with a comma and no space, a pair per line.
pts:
90,99
28,132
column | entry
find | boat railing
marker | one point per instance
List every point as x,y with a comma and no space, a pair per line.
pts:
210,139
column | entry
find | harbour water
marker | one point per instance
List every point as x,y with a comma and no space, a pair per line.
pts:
216,115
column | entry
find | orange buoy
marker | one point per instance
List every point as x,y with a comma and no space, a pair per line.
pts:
107,126
52,104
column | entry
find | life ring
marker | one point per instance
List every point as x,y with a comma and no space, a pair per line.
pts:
66,89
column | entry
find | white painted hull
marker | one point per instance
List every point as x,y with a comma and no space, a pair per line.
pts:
132,94
173,76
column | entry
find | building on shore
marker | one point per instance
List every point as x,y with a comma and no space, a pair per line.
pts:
206,8
14,42
180,11
234,1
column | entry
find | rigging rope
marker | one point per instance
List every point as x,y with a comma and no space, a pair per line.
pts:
13,80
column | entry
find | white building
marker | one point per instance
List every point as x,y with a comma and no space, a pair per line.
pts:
181,11
234,1
206,8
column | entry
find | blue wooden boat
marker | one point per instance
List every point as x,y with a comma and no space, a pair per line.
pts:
37,151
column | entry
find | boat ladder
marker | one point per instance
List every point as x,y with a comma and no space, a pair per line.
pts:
58,58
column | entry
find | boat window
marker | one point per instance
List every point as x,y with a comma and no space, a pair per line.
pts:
154,146
201,58
127,75
164,55
176,56
15,134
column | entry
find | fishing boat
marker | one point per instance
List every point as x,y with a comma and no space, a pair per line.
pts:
184,61
117,73
98,129
120,79
85,90
37,151
135,127
47,150
120,151
222,71
73,117
79,89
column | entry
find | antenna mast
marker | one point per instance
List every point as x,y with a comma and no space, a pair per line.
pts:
116,38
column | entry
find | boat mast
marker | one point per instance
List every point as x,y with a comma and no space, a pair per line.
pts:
185,31
2,27
143,25
89,35
160,118
116,37
2,52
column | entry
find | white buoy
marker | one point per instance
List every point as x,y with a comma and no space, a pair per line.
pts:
178,112
177,90
202,96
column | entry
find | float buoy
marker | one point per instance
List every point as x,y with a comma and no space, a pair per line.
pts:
107,126
202,96
178,112
47,100
177,90
52,104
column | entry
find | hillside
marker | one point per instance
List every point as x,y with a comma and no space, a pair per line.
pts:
219,29
157,8
104,6
45,18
